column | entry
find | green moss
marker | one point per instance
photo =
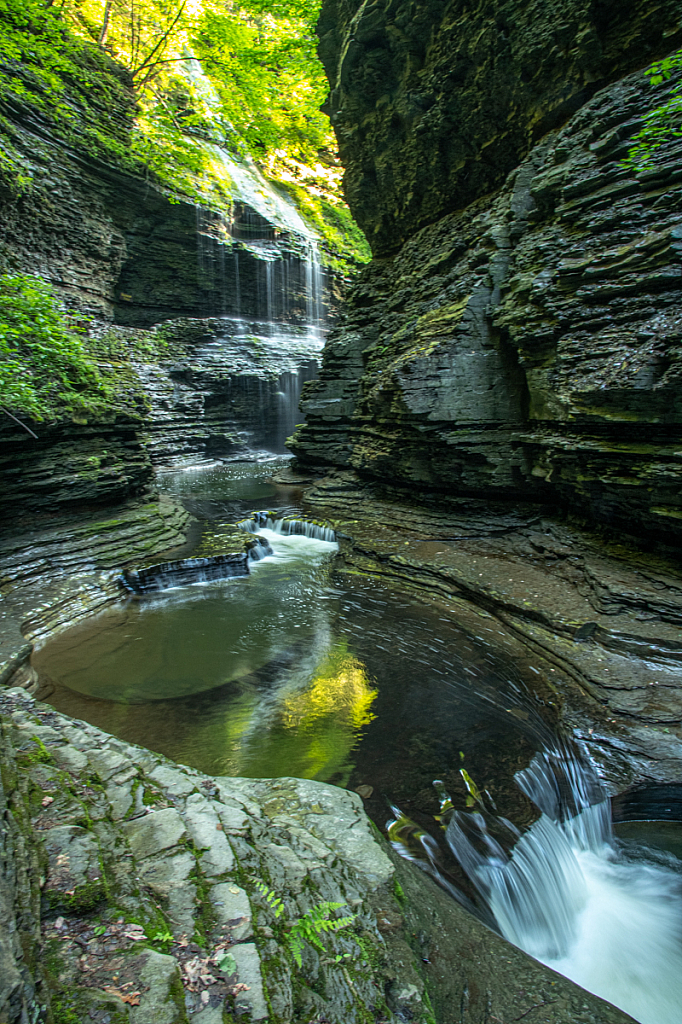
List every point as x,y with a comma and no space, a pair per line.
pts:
369,951
205,919
81,901
399,891
39,754
63,1011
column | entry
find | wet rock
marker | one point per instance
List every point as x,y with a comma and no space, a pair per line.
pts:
156,831
232,911
74,877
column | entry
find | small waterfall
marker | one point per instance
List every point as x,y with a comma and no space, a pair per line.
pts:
290,385
286,527
564,892
258,548
183,573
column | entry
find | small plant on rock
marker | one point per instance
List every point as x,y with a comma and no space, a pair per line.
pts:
313,924
310,926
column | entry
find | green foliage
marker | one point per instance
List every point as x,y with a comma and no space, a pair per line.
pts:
154,110
271,898
664,122
310,926
262,60
314,923
226,963
45,370
162,937
43,64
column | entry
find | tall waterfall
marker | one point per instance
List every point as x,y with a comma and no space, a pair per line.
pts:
567,894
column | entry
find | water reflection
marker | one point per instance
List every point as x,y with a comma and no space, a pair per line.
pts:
299,669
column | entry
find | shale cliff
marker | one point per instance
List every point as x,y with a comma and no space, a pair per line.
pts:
518,333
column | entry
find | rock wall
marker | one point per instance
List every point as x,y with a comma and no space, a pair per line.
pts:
146,892
434,104
526,346
117,247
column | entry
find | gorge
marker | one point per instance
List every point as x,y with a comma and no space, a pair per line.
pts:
463,610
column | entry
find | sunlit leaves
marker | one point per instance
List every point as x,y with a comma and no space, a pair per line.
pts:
664,122
44,367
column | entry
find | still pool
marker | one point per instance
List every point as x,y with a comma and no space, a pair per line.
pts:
300,669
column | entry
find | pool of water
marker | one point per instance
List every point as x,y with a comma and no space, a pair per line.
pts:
300,669
304,668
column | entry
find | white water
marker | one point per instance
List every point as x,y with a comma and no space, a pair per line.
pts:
293,547
264,525
570,898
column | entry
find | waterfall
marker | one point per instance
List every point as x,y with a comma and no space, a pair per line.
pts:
286,527
258,548
565,892
183,573
313,288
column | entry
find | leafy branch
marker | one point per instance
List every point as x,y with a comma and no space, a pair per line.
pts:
663,122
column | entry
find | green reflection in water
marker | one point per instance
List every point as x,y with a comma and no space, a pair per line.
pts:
314,729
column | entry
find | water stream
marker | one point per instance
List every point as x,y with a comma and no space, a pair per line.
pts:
303,669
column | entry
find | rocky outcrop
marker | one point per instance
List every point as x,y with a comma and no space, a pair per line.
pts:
433,106
117,246
147,892
528,346
225,387
205,389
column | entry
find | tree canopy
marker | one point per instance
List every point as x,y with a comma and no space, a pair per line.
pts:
240,74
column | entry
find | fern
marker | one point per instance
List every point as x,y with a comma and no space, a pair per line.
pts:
314,923
271,898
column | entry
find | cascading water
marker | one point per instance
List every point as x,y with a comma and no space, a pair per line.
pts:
265,521
565,892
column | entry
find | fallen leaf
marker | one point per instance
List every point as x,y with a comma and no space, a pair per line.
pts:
131,998
47,800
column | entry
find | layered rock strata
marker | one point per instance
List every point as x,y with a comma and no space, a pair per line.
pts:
434,105
116,246
144,892
600,623
527,346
